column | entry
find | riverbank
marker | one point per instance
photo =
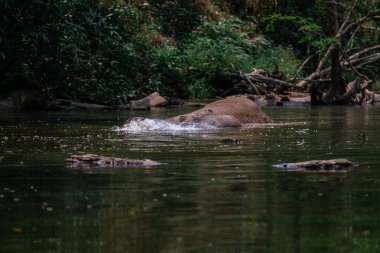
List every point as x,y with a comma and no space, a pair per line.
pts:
28,100
109,52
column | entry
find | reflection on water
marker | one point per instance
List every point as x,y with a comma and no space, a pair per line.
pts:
208,196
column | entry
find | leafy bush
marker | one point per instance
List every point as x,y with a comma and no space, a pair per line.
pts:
216,51
200,90
292,30
212,53
177,18
376,85
100,51
76,49
97,54
277,59
219,50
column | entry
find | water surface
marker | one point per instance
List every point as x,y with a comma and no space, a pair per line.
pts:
205,197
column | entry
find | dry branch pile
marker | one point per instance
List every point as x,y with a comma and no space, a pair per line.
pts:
326,84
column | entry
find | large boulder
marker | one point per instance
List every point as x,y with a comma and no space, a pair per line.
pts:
232,111
153,100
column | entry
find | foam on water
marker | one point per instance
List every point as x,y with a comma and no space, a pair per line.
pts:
141,125
157,125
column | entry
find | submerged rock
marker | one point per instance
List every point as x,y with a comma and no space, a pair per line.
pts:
333,164
232,111
91,160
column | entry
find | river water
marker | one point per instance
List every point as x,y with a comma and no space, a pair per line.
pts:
207,196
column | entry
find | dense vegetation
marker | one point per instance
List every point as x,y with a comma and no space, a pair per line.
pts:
110,51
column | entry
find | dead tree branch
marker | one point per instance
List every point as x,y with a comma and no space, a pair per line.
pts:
366,50
361,20
364,61
368,61
341,30
268,80
345,56
302,66
244,76
354,61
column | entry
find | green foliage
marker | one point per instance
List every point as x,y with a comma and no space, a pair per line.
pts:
226,47
201,90
311,28
376,86
96,52
4,3
324,42
213,52
176,17
292,28
99,51
279,60
217,50
167,74
190,69
78,50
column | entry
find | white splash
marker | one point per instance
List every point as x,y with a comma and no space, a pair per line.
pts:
143,125
156,125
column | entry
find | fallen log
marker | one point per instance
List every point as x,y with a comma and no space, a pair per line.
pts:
92,160
376,98
320,165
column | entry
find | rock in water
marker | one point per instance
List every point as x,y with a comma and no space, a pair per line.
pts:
153,100
334,164
232,111
91,160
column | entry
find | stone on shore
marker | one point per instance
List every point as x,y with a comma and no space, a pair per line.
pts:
153,100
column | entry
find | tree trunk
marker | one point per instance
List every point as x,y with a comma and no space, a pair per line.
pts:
337,86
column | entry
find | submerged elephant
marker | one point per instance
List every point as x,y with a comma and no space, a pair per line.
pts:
232,111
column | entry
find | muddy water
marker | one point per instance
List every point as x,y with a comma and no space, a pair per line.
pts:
207,196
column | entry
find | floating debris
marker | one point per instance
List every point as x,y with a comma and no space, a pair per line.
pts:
91,160
322,165
231,141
